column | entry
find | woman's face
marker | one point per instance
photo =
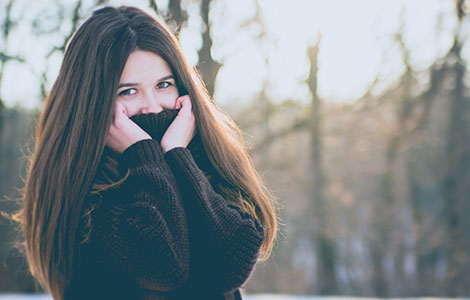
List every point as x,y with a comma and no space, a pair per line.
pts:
147,84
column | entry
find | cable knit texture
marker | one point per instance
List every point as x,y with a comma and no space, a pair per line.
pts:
166,232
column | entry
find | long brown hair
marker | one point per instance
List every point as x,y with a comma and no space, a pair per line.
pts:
71,133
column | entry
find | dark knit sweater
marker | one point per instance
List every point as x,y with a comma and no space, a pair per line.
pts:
166,232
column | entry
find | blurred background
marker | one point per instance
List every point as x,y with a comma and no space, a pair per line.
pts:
357,114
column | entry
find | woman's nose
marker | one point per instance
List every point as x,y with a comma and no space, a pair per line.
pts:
150,105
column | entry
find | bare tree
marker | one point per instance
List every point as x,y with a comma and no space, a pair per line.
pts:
208,67
323,236
7,27
175,16
457,175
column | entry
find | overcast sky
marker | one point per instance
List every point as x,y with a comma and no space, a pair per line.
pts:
357,44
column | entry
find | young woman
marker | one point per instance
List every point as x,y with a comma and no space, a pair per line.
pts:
139,186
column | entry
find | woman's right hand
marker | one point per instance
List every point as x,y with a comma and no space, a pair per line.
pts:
123,132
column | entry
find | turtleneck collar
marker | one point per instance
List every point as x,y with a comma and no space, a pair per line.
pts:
156,124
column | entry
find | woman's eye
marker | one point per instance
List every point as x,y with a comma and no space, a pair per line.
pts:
128,92
163,85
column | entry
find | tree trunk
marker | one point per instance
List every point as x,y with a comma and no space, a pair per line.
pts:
457,182
207,66
323,237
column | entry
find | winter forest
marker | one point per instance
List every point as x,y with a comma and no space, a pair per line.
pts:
372,184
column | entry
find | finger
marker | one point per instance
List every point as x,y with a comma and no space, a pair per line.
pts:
120,111
184,100
179,102
186,105
115,110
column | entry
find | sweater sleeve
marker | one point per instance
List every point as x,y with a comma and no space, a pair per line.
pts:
141,228
234,237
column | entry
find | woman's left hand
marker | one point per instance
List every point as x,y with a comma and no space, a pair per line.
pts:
183,128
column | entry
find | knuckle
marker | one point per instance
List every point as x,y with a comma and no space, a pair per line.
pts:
119,122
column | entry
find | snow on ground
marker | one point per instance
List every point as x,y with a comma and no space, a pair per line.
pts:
245,297
24,297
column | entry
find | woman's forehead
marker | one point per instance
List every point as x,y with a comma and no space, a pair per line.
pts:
142,66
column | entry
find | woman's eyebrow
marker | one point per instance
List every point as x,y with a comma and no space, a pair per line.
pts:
166,77
126,84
